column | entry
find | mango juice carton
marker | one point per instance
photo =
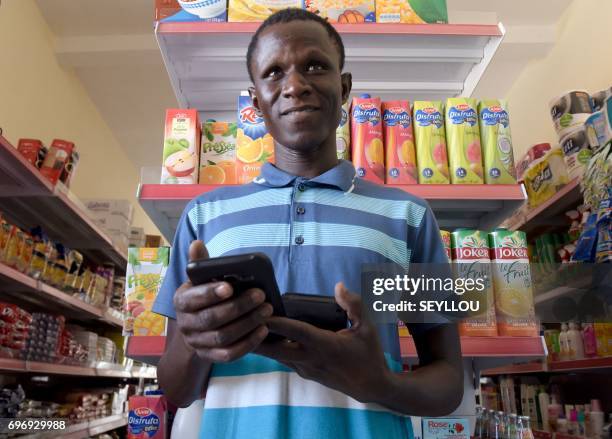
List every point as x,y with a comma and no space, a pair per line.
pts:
430,139
147,417
463,138
257,10
343,134
254,145
181,147
400,155
218,153
496,142
366,136
411,11
470,254
512,284
144,275
343,11
446,428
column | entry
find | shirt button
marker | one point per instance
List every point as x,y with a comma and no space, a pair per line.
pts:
300,210
301,187
299,240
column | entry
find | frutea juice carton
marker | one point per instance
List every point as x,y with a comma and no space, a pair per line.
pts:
343,134
218,153
181,147
496,142
512,283
470,254
147,417
432,161
400,155
366,136
463,137
254,145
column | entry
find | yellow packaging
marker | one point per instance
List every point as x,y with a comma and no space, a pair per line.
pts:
343,135
545,177
257,10
343,11
411,11
5,233
402,329
600,337
218,153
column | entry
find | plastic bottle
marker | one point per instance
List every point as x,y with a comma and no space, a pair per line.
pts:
562,426
544,399
597,419
581,424
478,429
572,426
563,346
574,340
511,428
494,427
554,413
502,424
589,339
524,427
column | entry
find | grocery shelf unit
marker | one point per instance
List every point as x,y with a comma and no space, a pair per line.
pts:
106,370
582,365
85,429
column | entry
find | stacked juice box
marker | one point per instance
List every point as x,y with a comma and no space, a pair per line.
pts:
411,11
181,147
218,153
343,11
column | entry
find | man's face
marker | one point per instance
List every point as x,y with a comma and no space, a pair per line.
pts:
298,84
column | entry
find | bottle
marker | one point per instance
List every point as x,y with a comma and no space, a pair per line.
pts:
589,339
554,413
587,420
544,399
581,424
524,427
485,423
502,424
562,426
494,427
563,347
511,427
597,419
574,340
478,431
572,425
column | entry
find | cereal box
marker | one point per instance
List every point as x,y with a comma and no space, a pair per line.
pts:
147,417
257,10
343,134
181,147
463,140
411,11
343,11
430,142
400,157
144,275
446,428
218,153
368,150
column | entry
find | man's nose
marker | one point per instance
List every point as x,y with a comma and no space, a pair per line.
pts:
295,85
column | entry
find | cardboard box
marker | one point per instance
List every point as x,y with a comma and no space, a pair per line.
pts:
446,428
218,153
114,222
137,233
411,11
343,11
147,417
181,147
104,207
257,10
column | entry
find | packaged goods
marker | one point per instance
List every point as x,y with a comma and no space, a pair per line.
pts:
181,147
343,11
5,233
446,240
597,130
601,339
569,110
551,337
463,140
512,284
366,137
102,208
400,155
402,330
411,11
70,168
545,177
430,139
147,417
145,272
446,428
598,99
32,150
254,145
496,142
576,150
14,246
165,8
152,241
603,251
56,158
535,152
257,10
343,134
209,10
470,255
218,154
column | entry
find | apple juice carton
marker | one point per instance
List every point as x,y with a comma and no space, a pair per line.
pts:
496,142
181,147
343,134
512,283
430,139
400,156
218,153
147,417
366,135
470,254
254,145
463,137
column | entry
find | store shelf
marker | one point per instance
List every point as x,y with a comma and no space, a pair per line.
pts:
513,369
206,61
147,350
28,199
84,430
105,370
583,365
478,206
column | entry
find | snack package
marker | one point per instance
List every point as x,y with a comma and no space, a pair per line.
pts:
576,150
147,417
545,177
218,153
32,150
5,233
343,134
400,155
14,246
496,142
463,141
603,250
411,11
367,148
599,98
145,273
432,161
343,11
56,159
257,10
181,147
570,110
535,152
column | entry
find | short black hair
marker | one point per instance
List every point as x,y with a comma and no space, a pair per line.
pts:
293,14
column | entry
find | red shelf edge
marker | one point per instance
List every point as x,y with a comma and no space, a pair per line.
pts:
554,366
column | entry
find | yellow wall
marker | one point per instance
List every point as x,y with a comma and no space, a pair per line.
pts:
39,99
580,60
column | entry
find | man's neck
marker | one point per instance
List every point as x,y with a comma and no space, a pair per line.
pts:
305,164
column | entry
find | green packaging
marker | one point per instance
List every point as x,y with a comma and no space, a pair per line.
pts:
432,161
463,138
496,142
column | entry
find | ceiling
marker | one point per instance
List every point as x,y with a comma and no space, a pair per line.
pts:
111,47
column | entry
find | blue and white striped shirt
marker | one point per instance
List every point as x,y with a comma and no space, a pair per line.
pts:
316,232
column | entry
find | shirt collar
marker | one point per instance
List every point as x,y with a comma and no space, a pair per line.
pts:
341,176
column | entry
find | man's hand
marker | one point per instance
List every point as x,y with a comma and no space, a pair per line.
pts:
215,324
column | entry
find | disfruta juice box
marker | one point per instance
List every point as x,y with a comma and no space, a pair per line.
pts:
254,145
218,153
512,283
496,142
400,155
470,254
366,135
181,147
446,428
463,137
430,138
147,417
343,11
257,10
343,134
411,11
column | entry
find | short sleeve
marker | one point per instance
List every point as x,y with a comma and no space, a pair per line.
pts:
176,274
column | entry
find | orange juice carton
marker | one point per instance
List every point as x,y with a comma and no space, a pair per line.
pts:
343,134
254,145
218,153
145,273
343,11
411,11
181,147
147,417
470,254
366,136
400,155
512,283
496,142
432,161
463,137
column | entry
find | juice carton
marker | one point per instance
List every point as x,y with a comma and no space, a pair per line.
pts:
218,153
512,284
470,253
181,147
343,134
56,159
343,11
463,136
411,11
430,138
257,10
399,143
446,428
496,142
446,240
254,145
144,275
147,417
32,150
366,137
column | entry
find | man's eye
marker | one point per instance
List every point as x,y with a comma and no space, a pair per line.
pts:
315,66
272,73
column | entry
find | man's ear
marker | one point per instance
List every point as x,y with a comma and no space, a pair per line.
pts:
253,95
347,84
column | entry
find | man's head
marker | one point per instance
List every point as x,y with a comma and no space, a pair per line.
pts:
295,61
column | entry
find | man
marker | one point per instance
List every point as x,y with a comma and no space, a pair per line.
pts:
318,224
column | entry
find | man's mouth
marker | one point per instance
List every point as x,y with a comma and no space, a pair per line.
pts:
299,110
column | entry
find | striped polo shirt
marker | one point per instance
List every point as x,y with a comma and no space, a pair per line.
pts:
316,232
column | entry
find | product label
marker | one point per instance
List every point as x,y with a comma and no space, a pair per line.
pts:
396,116
495,115
249,116
542,177
143,420
366,113
343,118
462,113
429,116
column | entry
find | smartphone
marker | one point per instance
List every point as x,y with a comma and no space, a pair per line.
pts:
320,311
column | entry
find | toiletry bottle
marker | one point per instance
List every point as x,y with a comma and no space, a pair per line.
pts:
563,347
590,342
574,340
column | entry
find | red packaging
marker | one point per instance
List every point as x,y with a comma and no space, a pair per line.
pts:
13,314
70,168
32,150
535,152
368,150
56,159
165,8
400,156
147,417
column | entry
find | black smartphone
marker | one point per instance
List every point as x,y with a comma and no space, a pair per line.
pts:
320,311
